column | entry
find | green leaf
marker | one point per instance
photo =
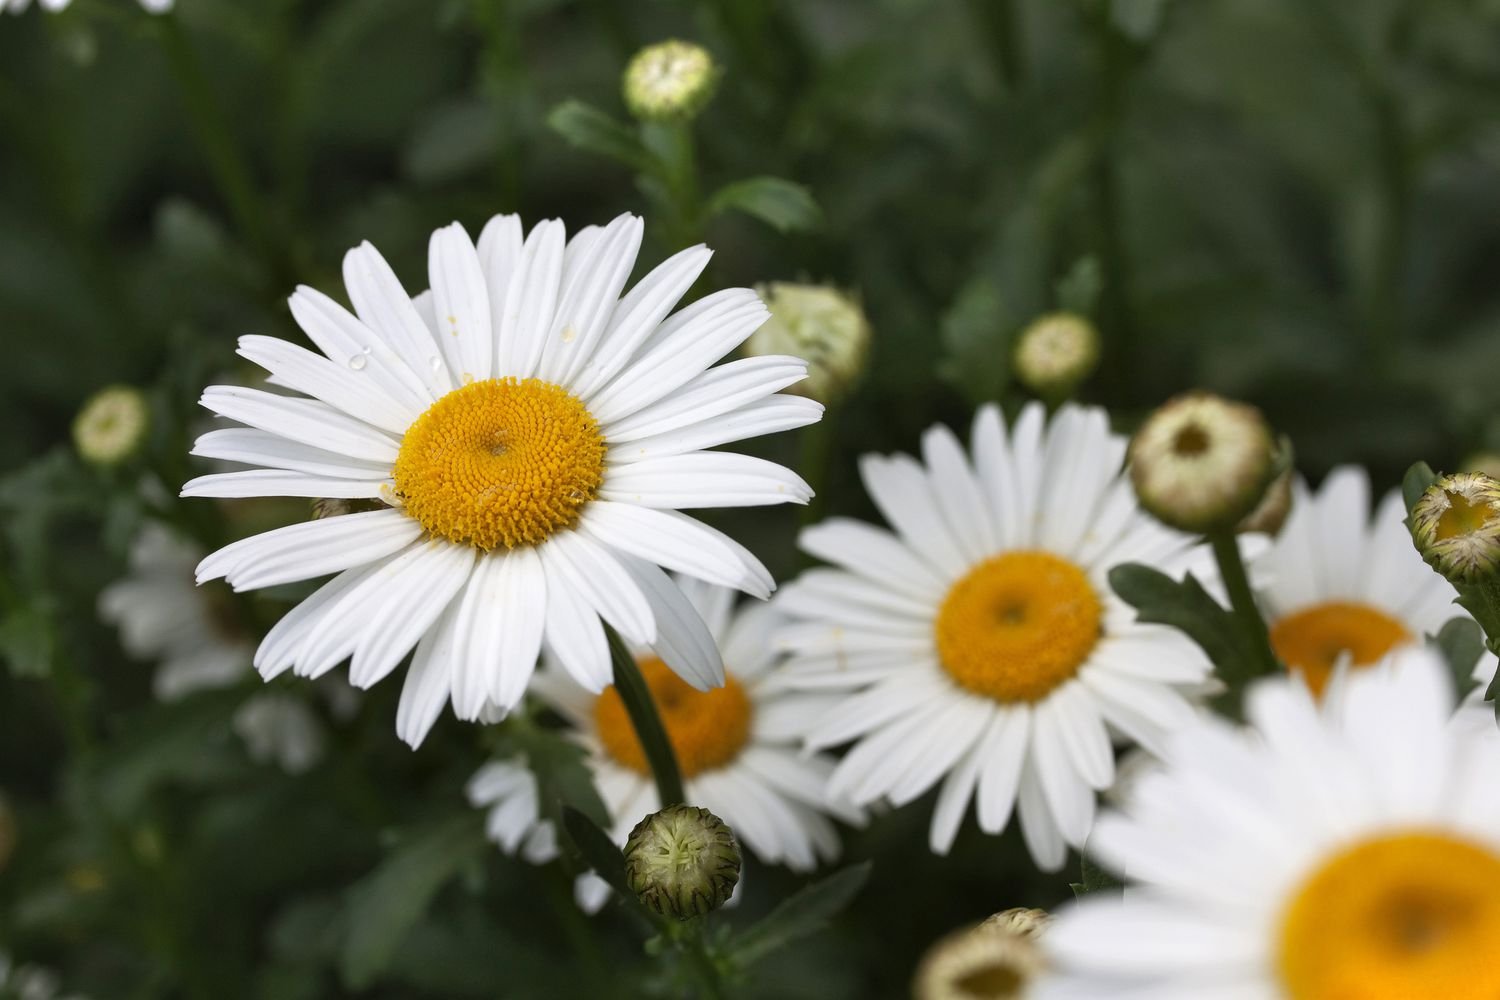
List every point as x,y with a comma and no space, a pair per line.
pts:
1078,290
587,128
562,776
1095,878
597,849
1186,606
1415,483
27,641
977,331
804,912
383,906
785,206
1462,644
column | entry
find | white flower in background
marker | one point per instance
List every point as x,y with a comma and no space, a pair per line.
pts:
534,434
669,81
737,746
982,637
1348,849
16,6
163,615
1337,585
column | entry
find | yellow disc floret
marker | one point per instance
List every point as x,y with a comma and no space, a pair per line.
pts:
707,729
1314,639
1018,626
1397,917
500,463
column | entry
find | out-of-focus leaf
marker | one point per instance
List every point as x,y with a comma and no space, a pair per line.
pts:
804,912
1462,644
458,139
977,334
1415,483
561,774
383,906
1137,19
597,849
781,204
591,130
27,641
1095,878
1078,290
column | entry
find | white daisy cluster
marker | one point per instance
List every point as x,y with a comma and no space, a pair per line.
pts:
16,6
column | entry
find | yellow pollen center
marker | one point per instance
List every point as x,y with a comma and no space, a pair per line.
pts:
1313,639
1018,626
500,463
1396,918
707,729
1462,517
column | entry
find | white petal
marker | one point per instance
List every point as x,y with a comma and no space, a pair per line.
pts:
252,447
591,288
703,479
575,636
500,244
900,489
683,639
958,494
427,682
303,420
345,339
766,416
383,306
276,483
278,650
530,301
874,554
674,541
719,390
395,624
953,800
310,549
462,303
340,385
1003,758
576,561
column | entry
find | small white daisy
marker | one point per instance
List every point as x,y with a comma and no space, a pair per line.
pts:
1337,585
533,434
1348,849
162,614
737,747
983,637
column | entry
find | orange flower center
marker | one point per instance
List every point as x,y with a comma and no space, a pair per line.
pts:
707,729
1313,639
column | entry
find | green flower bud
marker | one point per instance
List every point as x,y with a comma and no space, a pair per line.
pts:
821,325
112,425
995,960
1055,353
1456,524
1201,462
682,861
670,81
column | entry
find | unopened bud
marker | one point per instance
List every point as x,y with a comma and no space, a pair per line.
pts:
821,325
995,960
1201,462
1274,508
1055,353
1456,525
112,425
682,861
670,81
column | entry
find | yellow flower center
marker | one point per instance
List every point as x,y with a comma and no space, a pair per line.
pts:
1018,625
707,729
1462,517
1394,918
500,462
1313,639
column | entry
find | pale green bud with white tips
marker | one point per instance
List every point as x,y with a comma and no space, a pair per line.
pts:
1055,353
682,861
670,81
112,425
823,326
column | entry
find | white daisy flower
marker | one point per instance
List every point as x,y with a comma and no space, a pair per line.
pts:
534,435
1348,849
193,631
1336,585
163,615
737,746
16,6
982,636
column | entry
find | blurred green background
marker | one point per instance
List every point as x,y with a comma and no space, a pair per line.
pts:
1294,202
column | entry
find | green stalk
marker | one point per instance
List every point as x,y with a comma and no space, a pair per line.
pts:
1242,600
226,161
641,708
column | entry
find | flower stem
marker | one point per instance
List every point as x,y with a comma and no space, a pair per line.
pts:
1242,600
648,726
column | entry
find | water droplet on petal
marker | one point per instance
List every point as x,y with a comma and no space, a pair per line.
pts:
569,335
436,363
358,362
